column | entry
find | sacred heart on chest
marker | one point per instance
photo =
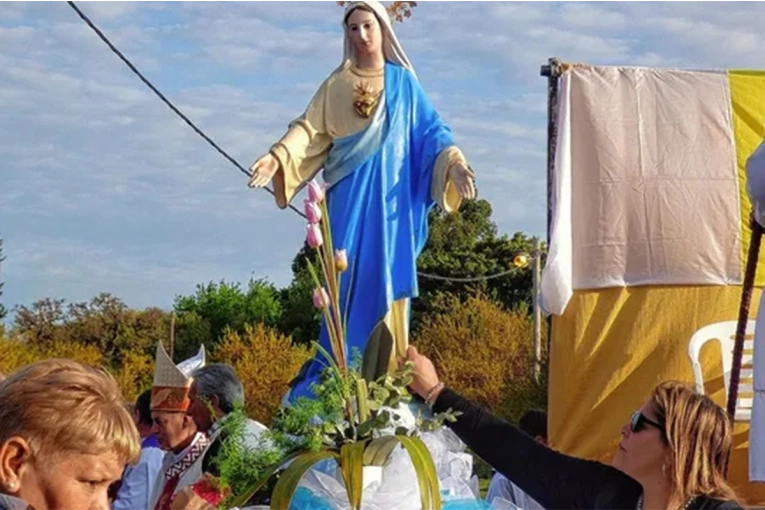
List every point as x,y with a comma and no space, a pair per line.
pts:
365,99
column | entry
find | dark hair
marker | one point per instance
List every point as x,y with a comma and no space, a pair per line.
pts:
143,406
534,423
219,380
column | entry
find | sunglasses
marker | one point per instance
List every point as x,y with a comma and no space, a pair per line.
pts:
638,422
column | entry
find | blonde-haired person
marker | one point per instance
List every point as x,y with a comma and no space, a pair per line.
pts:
66,436
673,453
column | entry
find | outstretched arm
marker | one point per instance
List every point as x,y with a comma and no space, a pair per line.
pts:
553,479
298,156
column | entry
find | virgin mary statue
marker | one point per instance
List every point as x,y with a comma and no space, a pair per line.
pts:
387,159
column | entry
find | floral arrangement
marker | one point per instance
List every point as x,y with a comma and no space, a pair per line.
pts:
353,420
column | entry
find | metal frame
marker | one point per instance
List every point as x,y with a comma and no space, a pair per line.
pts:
551,71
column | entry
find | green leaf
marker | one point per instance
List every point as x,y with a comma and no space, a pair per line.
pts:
242,499
291,477
427,477
366,427
352,467
378,451
377,353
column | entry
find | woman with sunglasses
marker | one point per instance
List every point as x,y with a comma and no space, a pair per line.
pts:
673,454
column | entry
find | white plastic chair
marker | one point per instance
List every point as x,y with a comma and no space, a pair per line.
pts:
725,334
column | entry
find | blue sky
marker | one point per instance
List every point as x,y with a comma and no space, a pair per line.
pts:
102,188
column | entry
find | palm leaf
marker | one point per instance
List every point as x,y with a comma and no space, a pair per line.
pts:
242,499
427,477
352,468
378,451
362,400
288,482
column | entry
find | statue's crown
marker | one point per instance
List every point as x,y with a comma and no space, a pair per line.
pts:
397,9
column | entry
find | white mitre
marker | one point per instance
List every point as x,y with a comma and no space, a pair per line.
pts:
170,389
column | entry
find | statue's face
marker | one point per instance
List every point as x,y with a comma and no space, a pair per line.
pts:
365,32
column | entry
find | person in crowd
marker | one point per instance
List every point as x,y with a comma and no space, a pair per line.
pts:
138,481
673,452
65,437
533,423
175,429
215,393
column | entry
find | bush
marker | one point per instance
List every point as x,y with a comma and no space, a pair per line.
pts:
16,354
485,353
135,374
265,362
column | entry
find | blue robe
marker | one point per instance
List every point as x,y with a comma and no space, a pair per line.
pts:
378,199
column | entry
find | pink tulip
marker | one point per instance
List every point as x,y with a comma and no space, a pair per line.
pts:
314,237
315,192
312,211
341,260
320,298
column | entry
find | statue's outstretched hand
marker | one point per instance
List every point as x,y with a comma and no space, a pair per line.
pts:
263,170
463,179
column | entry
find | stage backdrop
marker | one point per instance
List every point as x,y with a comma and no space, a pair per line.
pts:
648,244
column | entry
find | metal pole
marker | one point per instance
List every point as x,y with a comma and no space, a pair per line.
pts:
743,315
172,335
537,311
552,72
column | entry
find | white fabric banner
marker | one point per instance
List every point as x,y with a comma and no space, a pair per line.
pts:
646,188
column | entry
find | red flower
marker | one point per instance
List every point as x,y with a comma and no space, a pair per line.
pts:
208,489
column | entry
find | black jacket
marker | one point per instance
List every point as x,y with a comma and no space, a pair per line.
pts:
555,480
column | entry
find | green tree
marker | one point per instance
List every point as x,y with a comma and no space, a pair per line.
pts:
40,323
300,319
191,331
3,309
225,306
109,324
466,245
104,322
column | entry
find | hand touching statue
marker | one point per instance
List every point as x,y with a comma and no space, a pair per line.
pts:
463,179
263,170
